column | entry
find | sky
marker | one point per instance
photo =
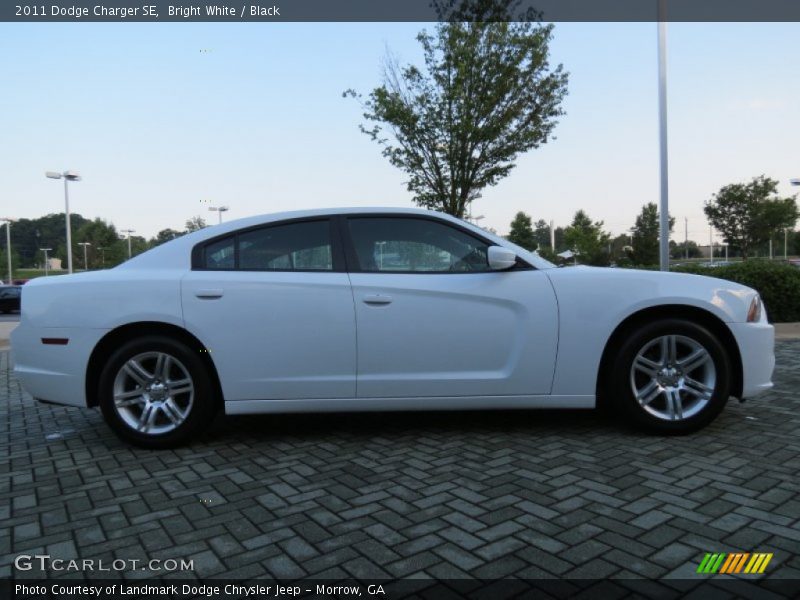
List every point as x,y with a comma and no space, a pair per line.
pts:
163,120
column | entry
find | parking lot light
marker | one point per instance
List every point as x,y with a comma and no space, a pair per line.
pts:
46,261
219,210
129,232
85,262
67,176
8,245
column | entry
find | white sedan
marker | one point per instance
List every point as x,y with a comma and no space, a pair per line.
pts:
381,309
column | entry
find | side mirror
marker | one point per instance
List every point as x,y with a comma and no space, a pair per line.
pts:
501,258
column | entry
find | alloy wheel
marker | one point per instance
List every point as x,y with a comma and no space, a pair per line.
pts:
673,377
153,393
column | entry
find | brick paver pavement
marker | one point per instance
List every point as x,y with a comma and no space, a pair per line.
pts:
528,494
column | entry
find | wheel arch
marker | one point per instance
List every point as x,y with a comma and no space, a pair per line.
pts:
682,311
129,331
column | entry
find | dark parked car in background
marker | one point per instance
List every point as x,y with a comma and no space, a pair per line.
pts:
9,298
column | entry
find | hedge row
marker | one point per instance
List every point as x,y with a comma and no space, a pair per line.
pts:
777,283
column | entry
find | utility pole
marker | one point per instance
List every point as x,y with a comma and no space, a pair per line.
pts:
662,128
552,237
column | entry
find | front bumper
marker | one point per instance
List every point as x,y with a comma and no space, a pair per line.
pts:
51,372
756,343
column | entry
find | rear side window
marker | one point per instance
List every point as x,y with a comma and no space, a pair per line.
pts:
9,293
304,246
301,246
220,255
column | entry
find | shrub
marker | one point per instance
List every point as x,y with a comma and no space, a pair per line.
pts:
777,283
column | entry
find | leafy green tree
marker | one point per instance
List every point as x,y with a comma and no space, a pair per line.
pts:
165,235
195,224
485,95
521,232
101,235
645,250
588,240
748,214
679,250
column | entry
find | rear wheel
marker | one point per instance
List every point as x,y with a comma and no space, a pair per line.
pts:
671,376
154,392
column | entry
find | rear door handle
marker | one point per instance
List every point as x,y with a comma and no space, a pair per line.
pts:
377,299
209,294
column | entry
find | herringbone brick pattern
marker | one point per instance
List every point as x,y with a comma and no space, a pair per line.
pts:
527,494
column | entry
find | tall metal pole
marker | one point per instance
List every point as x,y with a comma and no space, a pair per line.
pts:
129,245
552,237
662,126
711,243
8,250
686,236
69,229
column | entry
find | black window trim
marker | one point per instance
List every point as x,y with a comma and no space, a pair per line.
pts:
337,253
351,256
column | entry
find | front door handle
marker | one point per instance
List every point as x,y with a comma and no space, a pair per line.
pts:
376,299
209,294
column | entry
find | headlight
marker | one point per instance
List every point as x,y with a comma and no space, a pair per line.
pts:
754,312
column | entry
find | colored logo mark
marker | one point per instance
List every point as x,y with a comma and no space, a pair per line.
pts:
734,562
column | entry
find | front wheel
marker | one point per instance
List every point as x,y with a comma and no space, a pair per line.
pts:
671,376
155,393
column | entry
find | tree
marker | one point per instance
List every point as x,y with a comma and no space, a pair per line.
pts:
748,214
486,94
541,233
521,232
645,250
588,240
195,224
99,234
165,235
684,249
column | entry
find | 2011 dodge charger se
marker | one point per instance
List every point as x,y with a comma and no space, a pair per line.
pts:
381,309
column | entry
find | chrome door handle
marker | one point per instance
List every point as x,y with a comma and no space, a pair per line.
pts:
377,299
209,294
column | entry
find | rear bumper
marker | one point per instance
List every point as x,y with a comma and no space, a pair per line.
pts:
53,373
756,343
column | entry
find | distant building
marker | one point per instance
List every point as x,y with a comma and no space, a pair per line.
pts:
54,264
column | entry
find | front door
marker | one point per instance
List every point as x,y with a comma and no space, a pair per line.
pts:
434,320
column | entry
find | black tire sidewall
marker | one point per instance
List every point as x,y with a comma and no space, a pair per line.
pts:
637,337
202,408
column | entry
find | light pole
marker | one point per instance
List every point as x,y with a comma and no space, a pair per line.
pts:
8,247
662,128
85,261
67,176
219,210
129,232
46,261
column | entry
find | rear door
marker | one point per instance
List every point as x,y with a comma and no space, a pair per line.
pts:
274,307
434,320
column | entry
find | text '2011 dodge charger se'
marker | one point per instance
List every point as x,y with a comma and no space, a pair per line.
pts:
381,309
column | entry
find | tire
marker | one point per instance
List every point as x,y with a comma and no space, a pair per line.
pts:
671,376
154,392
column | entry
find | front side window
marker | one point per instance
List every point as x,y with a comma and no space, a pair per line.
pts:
398,244
301,246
